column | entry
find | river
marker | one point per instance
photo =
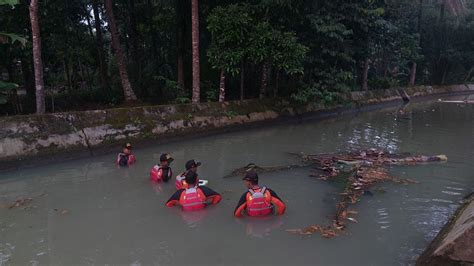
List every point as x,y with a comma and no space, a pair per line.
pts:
90,212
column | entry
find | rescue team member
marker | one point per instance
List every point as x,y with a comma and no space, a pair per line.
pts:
258,201
190,165
126,157
194,197
162,172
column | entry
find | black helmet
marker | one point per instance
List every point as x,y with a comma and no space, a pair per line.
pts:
192,163
191,177
251,176
166,157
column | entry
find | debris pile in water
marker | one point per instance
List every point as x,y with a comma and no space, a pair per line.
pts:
16,204
24,203
359,171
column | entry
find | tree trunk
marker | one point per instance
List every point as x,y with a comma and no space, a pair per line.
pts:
88,20
67,74
222,87
412,74
469,74
445,74
181,31
277,83
440,44
38,64
104,78
365,75
195,42
154,43
127,88
420,21
28,78
135,73
264,81
242,80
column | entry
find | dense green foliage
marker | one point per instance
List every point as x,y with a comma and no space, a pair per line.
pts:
302,49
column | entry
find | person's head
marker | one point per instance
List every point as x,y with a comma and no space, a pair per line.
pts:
165,159
127,148
191,178
192,165
250,179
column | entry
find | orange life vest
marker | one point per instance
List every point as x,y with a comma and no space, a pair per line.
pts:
192,199
259,202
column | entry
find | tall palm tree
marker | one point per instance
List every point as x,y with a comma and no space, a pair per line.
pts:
37,62
127,87
195,41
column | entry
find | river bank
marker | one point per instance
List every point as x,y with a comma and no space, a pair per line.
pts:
453,244
31,139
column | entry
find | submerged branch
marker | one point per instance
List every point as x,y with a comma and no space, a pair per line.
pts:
262,169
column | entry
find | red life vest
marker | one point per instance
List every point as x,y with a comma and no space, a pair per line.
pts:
192,199
157,173
259,202
180,182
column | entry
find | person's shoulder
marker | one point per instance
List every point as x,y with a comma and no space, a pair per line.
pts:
204,188
272,192
179,191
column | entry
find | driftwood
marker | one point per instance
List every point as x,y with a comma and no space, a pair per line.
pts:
19,203
464,101
16,204
262,169
360,171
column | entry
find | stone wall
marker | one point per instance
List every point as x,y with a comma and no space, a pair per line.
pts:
454,245
39,135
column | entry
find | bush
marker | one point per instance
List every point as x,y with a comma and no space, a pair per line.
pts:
382,83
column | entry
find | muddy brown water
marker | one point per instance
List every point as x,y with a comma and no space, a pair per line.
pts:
88,212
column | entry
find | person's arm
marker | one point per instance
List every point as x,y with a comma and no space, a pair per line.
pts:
239,210
279,204
174,199
211,194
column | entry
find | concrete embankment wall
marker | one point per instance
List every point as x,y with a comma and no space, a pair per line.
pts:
454,244
44,135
